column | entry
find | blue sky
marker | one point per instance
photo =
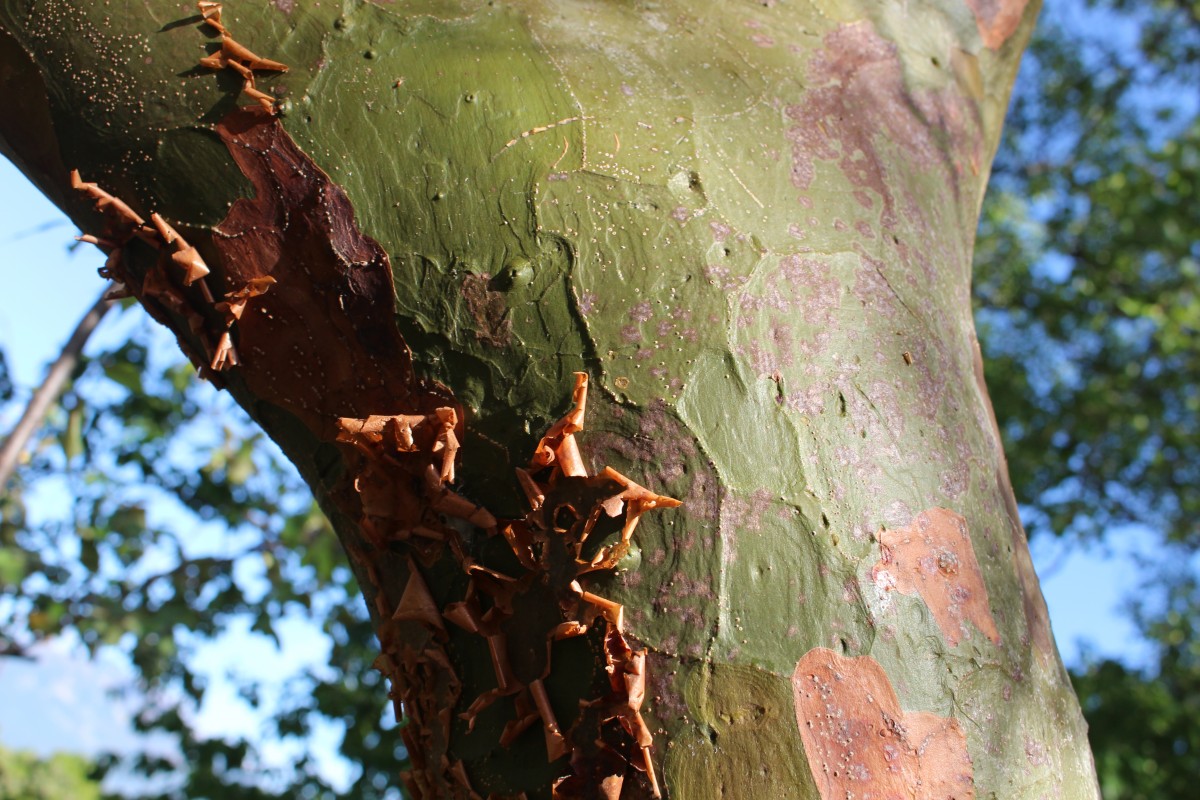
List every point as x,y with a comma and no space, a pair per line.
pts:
61,702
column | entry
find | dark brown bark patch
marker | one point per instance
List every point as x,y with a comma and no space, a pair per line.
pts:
933,557
860,743
322,343
997,19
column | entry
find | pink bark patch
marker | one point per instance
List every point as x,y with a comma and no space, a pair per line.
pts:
997,19
860,743
858,108
933,557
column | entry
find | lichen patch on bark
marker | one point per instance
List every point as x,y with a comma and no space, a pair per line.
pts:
859,108
933,557
489,310
860,743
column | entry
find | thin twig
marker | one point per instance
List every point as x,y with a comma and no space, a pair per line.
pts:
10,649
51,388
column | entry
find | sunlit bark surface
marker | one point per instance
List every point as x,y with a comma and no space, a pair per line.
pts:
629,348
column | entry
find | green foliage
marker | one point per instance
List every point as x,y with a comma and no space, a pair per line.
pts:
1087,280
1143,725
173,519
24,776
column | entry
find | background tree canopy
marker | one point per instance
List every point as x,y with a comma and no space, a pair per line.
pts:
151,517
1086,289
61,777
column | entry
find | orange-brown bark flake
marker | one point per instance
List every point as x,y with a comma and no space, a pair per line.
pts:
236,56
860,743
175,285
933,557
997,20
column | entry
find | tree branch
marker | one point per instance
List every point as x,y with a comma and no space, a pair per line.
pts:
50,389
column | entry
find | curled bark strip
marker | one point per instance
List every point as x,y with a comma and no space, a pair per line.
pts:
564,510
120,215
112,269
455,505
238,57
533,492
550,449
447,442
613,612
232,307
856,734
637,500
391,432
121,224
417,603
526,716
380,436
184,256
933,557
498,648
556,743
234,304
179,267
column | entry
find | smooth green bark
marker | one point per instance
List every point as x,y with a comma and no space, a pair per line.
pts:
750,224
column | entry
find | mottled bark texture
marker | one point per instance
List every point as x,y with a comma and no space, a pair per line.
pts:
749,224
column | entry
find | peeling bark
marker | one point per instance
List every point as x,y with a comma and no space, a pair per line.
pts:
934,558
859,741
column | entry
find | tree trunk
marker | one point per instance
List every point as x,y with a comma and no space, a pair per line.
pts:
748,227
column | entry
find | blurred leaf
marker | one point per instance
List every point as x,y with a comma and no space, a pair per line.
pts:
13,564
128,521
89,555
25,776
126,374
6,384
73,433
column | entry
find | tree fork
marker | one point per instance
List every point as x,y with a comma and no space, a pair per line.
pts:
749,231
